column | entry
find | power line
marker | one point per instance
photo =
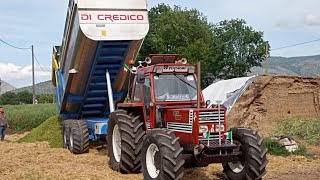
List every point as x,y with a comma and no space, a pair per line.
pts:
23,49
39,64
13,45
299,44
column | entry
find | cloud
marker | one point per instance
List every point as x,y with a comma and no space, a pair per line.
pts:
305,21
20,76
312,20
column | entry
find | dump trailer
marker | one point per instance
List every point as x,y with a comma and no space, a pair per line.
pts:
90,68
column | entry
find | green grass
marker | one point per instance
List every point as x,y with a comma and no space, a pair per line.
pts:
274,148
28,116
305,130
49,131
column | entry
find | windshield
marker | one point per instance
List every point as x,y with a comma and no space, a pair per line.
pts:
173,87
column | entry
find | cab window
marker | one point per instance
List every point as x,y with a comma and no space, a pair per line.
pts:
137,96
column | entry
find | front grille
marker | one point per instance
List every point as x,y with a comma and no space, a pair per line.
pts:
211,116
216,143
213,140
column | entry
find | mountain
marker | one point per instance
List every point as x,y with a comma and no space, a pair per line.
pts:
5,87
40,88
306,66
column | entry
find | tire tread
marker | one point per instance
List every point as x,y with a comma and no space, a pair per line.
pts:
255,157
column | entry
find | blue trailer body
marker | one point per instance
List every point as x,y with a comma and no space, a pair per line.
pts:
90,49
94,102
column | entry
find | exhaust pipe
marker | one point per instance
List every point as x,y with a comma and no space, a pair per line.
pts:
198,83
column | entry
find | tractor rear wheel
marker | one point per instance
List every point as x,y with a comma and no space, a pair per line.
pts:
79,137
253,160
162,156
125,140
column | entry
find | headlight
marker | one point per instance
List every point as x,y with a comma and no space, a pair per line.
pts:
221,128
203,129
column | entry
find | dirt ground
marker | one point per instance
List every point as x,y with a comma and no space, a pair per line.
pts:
270,99
38,161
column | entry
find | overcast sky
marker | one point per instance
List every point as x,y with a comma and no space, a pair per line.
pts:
40,23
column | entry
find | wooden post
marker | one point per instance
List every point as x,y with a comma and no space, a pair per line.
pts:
33,83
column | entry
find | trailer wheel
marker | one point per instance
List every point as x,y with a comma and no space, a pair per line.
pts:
253,160
162,156
125,140
65,133
79,137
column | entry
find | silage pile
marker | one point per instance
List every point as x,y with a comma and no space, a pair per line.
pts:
271,99
49,131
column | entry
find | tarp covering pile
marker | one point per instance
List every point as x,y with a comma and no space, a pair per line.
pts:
227,91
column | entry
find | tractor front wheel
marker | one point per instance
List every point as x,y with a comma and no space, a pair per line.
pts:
125,140
162,156
253,160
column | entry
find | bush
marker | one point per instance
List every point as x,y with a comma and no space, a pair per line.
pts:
49,131
26,117
45,98
274,148
9,98
24,97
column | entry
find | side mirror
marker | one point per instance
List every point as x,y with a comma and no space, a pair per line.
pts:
209,79
208,102
140,78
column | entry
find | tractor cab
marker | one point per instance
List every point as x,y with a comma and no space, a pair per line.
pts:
166,90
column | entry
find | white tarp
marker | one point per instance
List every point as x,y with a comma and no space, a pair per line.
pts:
227,91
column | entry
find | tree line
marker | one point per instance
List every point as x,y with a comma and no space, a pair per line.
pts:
227,49
24,97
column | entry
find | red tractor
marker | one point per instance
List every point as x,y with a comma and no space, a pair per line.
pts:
166,125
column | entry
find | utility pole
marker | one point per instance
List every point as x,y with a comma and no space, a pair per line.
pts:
33,86
266,66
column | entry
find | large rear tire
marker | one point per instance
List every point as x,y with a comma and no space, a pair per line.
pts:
66,133
162,156
253,161
125,140
79,137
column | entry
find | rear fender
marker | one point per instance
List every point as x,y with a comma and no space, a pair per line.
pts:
137,108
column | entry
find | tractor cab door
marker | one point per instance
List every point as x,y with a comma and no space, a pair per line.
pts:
146,95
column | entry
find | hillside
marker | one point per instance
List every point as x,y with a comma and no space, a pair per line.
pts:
306,66
41,88
4,87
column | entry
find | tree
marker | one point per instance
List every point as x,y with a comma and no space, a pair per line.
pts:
177,30
236,49
227,49
24,97
45,98
9,98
